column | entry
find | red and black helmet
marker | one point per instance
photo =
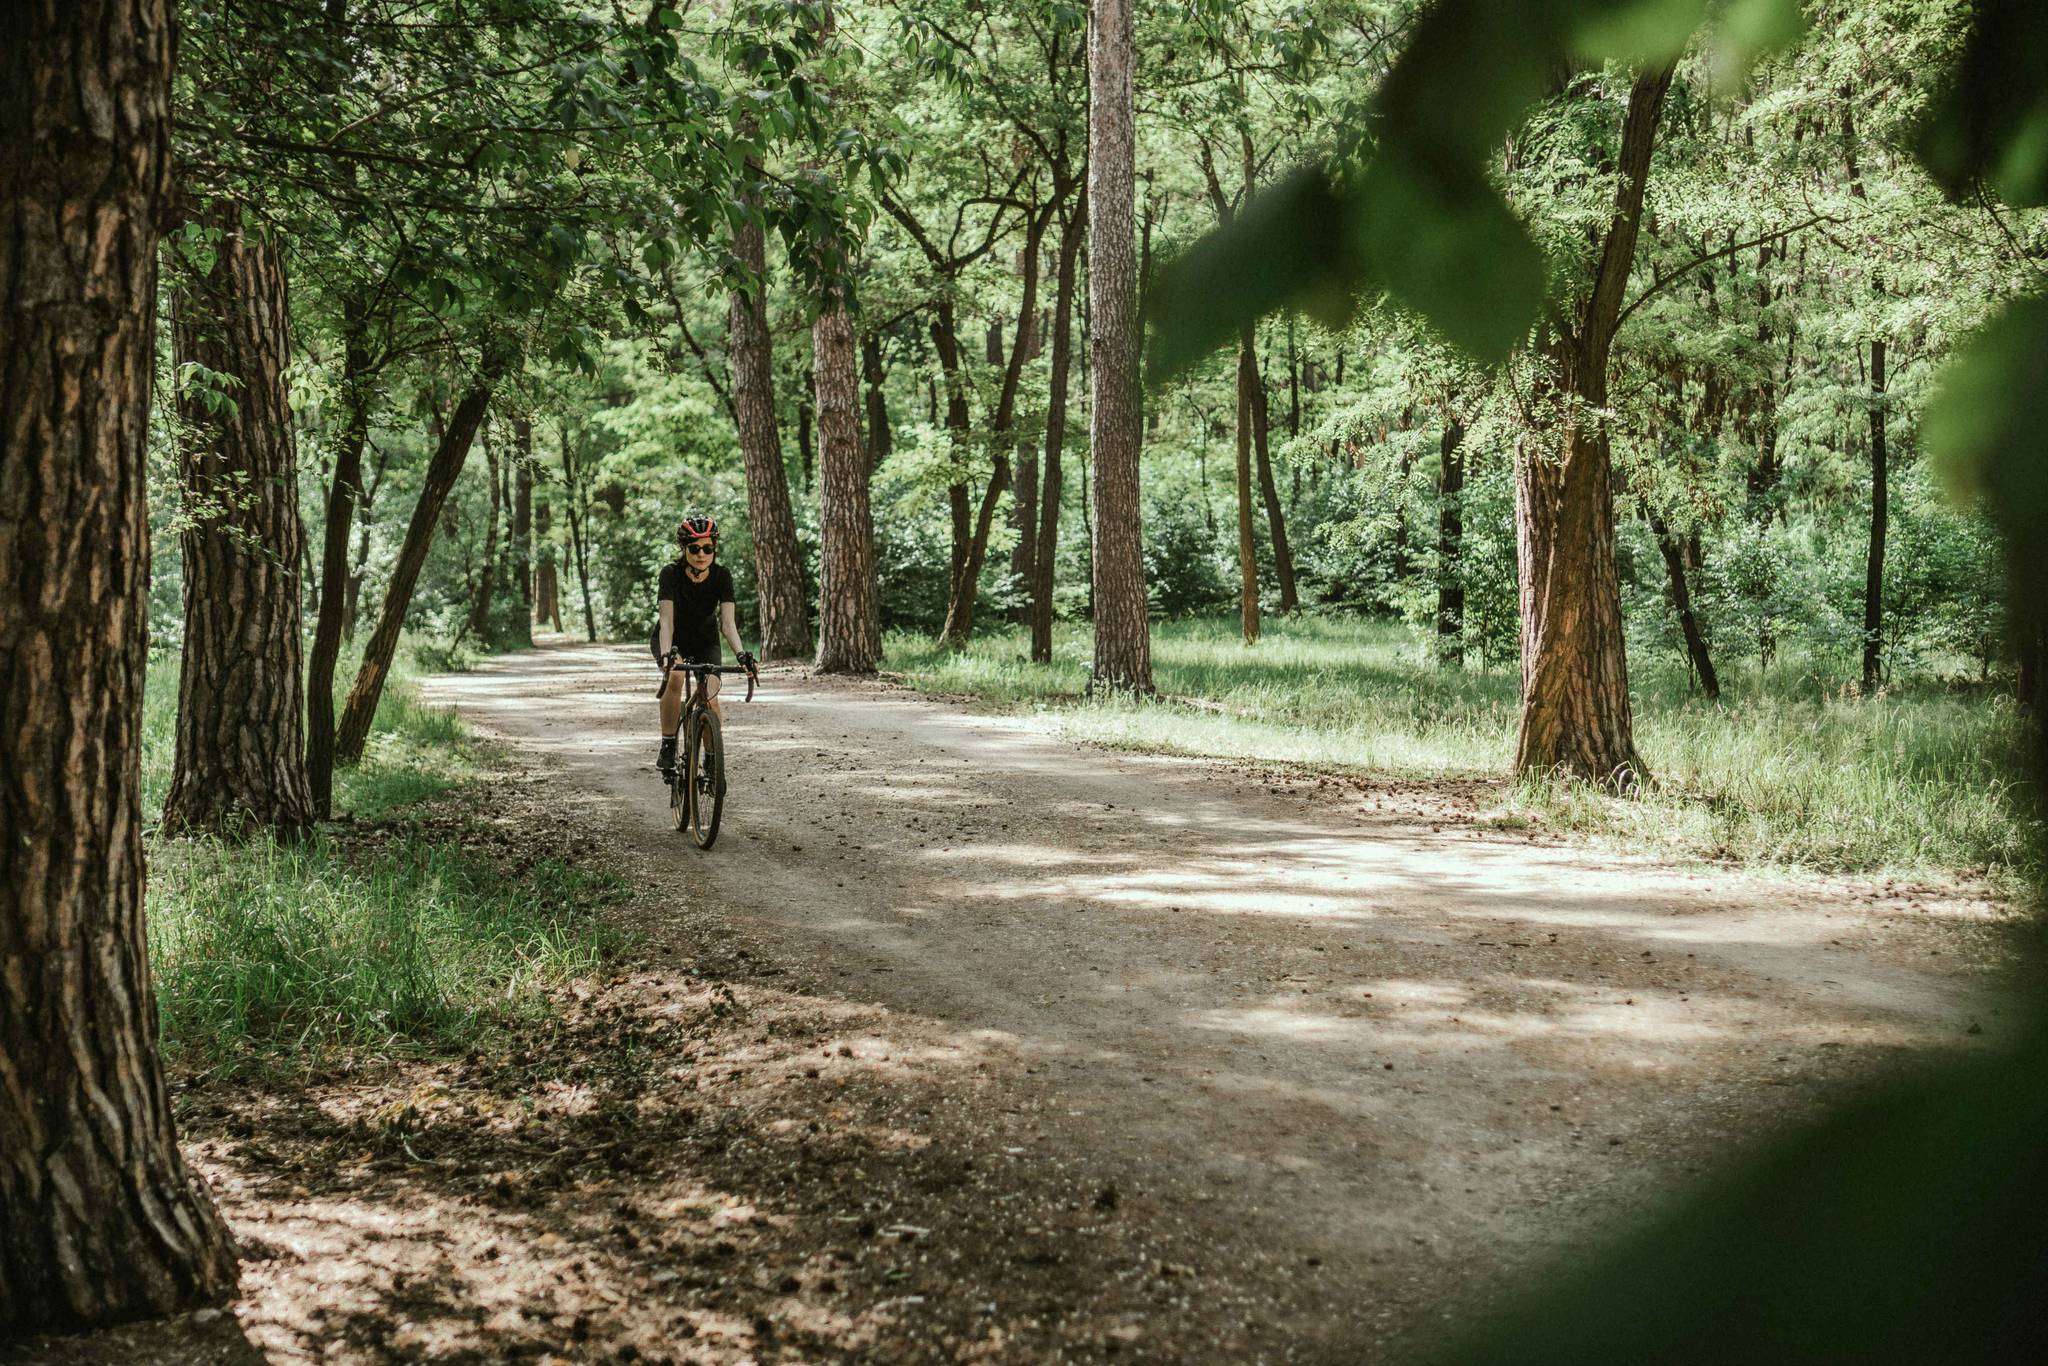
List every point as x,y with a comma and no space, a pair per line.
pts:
696,527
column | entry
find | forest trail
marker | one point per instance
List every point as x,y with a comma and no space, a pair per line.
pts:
1334,1038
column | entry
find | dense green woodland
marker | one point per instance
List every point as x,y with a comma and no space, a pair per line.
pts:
1577,392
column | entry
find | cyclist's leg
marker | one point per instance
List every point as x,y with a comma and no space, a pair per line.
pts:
711,695
671,713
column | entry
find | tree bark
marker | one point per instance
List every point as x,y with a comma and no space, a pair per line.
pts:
240,751
1247,542
849,605
522,525
778,563
99,1219
1046,544
1123,641
1024,514
449,455
337,586
1450,547
1575,715
1873,569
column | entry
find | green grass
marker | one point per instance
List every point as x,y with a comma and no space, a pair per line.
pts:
1791,770
381,933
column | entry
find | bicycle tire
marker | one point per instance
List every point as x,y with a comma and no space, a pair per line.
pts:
678,791
707,780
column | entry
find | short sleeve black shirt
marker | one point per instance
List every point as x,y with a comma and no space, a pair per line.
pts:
696,610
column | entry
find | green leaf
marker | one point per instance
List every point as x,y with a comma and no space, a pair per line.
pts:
1992,123
1292,244
1985,426
1635,32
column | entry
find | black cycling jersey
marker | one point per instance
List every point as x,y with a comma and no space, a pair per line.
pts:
696,611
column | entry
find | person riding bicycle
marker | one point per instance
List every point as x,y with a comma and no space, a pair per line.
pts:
695,603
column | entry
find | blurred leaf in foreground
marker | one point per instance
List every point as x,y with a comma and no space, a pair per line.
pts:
1893,1230
1992,124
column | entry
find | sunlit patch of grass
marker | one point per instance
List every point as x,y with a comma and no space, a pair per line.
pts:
262,948
1790,770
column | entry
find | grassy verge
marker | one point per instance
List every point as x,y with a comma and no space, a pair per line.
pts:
1791,769
389,931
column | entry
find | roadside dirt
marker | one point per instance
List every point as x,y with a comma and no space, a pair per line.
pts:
967,1044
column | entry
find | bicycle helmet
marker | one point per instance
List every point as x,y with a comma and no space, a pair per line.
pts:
696,527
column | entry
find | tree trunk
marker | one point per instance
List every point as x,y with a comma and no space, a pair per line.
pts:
362,555
1046,544
522,525
99,1219
449,456
547,584
1575,716
778,563
880,441
479,624
1873,571
574,490
966,586
1247,543
1123,641
806,459
337,586
1696,652
849,605
1276,517
1024,513
1450,547
241,751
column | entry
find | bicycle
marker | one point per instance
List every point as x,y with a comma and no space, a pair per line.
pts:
698,779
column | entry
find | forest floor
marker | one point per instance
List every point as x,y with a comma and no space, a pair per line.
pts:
969,1044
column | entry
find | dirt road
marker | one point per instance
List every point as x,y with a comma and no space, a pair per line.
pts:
1333,1038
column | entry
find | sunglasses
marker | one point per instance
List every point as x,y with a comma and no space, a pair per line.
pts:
700,548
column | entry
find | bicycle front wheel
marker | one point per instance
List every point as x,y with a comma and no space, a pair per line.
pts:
707,780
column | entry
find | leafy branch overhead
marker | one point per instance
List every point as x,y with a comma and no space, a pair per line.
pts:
1416,215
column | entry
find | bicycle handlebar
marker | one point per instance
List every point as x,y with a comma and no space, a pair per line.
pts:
669,670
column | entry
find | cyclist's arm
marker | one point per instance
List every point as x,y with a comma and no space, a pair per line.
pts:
668,627
729,627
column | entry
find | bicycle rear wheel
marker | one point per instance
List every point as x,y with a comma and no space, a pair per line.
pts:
707,780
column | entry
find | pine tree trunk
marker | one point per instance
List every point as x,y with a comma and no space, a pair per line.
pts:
778,563
573,487
1123,641
449,456
1873,569
338,586
1247,542
1450,547
849,607
1575,715
99,1219
1046,544
522,526
241,751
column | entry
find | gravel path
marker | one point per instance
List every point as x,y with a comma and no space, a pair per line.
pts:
1405,1058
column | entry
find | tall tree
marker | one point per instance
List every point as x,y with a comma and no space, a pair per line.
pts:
849,606
1123,640
99,1219
338,586
1073,229
778,564
478,626
1575,715
1247,542
449,456
1873,563
522,525
1450,545
240,751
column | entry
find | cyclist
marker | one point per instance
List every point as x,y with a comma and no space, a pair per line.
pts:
695,603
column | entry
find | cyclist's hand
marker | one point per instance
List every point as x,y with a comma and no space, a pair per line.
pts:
747,659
